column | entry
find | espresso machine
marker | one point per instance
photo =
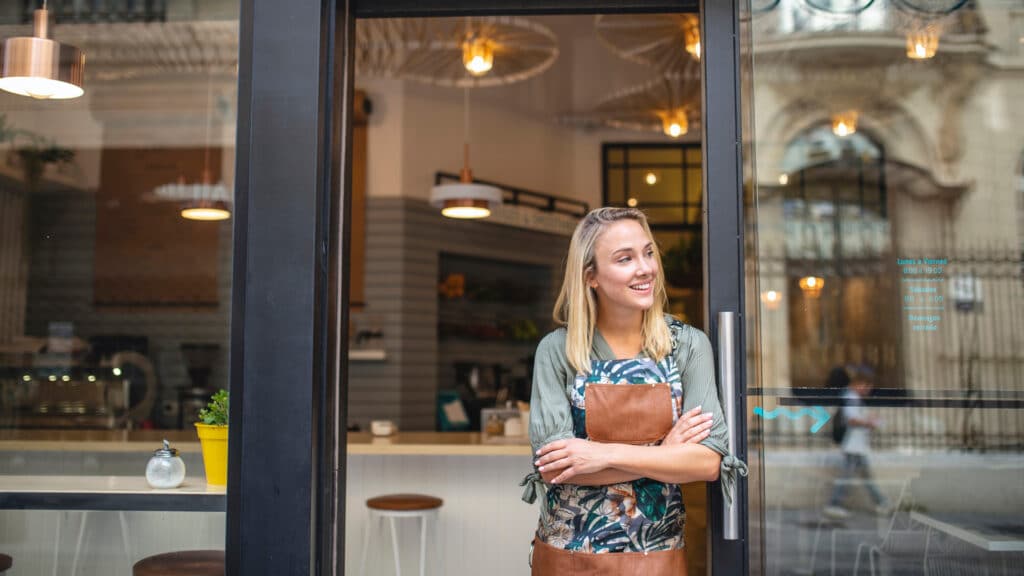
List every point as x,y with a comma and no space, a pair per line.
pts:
74,384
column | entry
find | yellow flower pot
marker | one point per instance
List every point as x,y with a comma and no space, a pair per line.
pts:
214,440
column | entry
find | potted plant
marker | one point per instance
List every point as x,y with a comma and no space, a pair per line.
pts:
213,436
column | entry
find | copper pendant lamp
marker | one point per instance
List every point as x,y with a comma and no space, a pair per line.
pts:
39,67
465,199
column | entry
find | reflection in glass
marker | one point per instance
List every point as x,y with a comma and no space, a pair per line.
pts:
884,239
114,309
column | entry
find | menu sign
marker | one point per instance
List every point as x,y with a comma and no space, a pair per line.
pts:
922,281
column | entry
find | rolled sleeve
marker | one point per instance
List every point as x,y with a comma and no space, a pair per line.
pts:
699,389
550,416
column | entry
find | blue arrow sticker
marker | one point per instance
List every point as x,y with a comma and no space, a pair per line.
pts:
820,415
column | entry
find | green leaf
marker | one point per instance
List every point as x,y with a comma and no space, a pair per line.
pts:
216,411
649,498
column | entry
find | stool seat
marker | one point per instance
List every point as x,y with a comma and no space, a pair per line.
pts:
183,563
5,562
404,502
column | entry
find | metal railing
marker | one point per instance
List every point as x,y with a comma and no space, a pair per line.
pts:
959,385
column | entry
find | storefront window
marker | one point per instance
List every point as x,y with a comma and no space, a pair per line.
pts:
115,282
885,271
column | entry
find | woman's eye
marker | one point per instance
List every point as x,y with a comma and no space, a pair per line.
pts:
624,259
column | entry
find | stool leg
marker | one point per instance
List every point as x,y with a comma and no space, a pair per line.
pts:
124,536
438,545
423,545
56,547
394,546
370,519
78,546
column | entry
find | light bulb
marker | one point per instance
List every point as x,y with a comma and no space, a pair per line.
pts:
675,124
844,124
478,56
922,45
691,35
651,178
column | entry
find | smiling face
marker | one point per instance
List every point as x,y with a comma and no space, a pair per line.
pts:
625,268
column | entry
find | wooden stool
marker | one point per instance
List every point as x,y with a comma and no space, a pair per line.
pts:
183,563
396,506
5,562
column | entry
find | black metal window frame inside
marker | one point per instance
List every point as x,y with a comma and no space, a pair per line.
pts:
82,11
607,165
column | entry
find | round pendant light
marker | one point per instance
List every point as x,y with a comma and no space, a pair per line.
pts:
39,67
203,201
465,200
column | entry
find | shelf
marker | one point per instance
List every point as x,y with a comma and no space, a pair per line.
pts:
367,355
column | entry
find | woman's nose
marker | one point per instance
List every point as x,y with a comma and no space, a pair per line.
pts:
646,267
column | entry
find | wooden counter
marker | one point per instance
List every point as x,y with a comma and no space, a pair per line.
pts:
405,443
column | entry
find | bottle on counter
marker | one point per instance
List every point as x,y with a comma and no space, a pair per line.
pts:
165,469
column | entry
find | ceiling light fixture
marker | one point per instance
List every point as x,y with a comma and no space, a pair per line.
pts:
812,286
844,123
204,201
651,178
675,123
922,44
691,35
771,299
465,199
41,68
478,55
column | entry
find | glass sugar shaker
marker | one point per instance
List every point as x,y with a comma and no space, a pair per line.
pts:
165,469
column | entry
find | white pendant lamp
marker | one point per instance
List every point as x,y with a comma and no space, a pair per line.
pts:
41,68
465,199
206,200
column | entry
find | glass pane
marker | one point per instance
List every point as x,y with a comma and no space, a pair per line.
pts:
682,259
886,368
115,302
693,156
660,155
616,185
615,155
694,185
656,185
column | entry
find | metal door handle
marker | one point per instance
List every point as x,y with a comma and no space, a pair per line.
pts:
727,382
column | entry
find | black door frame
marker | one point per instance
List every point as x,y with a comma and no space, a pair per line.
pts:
286,488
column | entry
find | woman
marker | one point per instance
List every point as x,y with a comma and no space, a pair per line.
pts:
624,409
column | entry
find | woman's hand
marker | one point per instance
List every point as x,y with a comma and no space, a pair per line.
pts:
571,457
691,428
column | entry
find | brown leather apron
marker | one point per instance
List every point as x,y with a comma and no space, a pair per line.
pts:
551,561
623,414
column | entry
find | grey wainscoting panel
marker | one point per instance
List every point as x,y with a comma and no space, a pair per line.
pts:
405,238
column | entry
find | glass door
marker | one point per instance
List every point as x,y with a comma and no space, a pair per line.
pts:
884,229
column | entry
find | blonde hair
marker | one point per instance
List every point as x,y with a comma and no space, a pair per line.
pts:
576,307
